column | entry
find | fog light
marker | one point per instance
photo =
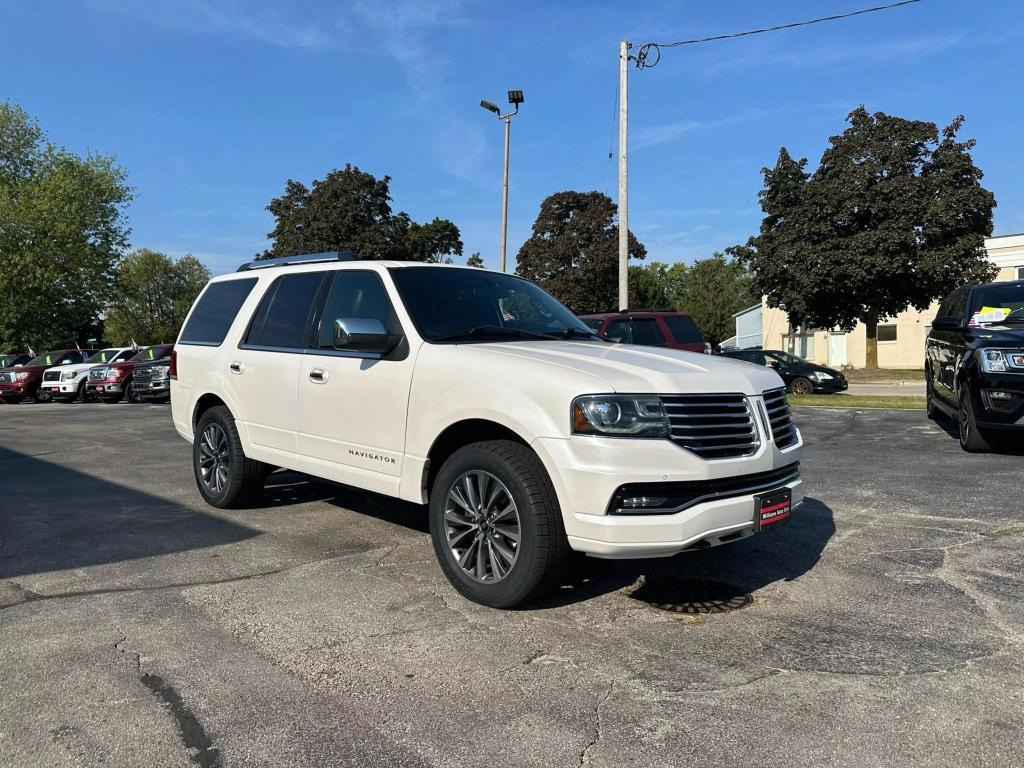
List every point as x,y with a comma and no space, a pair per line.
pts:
642,502
1000,395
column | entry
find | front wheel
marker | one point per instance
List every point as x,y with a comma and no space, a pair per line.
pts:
972,438
801,386
496,525
226,477
931,410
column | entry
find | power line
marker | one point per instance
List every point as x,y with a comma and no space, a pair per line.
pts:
643,60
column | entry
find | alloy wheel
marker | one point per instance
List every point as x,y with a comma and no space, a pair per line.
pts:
482,526
214,461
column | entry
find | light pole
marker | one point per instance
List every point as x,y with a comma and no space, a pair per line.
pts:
515,98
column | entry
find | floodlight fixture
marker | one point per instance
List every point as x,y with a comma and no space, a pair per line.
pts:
515,97
490,106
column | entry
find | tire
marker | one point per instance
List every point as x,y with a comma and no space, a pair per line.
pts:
972,439
505,471
226,477
128,395
801,386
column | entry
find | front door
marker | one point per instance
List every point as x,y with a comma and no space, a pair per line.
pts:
837,350
353,405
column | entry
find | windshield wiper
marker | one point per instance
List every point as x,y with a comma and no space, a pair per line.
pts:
491,331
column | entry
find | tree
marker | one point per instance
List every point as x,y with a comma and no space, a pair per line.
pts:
62,231
573,251
474,260
656,284
152,296
713,291
350,210
894,216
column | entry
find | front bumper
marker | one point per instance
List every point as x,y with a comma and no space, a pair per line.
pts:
105,388
153,388
833,385
1000,412
587,471
12,390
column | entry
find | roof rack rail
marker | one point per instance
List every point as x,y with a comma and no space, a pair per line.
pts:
627,310
305,258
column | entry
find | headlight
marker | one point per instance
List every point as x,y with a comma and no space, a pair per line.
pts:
1002,360
67,375
114,373
160,373
620,416
819,376
21,376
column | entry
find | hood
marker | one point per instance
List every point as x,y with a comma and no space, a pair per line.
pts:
1000,335
629,368
73,367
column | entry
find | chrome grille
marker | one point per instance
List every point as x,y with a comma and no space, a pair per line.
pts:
712,426
783,429
143,374
51,376
6,378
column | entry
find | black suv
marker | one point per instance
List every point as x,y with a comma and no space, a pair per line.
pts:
802,377
974,363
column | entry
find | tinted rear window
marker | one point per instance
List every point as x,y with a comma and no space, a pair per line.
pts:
215,311
283,316
683,329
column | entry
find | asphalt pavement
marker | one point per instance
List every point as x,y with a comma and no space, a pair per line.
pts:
139,627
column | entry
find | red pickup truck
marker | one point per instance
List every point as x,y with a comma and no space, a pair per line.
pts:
22,382
111,383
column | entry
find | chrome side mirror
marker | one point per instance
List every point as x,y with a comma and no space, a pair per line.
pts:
363,334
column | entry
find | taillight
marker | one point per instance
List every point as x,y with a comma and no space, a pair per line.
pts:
172,371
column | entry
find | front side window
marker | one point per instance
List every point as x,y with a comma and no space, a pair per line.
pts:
356,294
465,305
215,312
647,333
282,318
755,357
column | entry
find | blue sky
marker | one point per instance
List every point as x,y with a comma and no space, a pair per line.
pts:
211,105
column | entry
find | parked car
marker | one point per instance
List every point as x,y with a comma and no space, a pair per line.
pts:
152,382
478,394
66,383
802,377
649,328
112,383
12,359
24,381
974,363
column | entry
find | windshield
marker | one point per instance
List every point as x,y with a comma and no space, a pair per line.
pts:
475,305
151,353
103,356
998,304
47,358
785,357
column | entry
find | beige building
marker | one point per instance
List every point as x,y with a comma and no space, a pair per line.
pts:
900,338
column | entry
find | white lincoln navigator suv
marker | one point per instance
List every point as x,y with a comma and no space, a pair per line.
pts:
479,394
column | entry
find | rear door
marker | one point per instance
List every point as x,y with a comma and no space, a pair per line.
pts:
263,372
353,405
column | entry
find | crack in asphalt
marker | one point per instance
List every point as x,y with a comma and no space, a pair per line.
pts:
596,738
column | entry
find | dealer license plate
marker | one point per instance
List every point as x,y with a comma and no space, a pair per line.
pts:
772,509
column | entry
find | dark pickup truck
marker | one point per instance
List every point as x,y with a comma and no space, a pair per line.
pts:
112,383
974,364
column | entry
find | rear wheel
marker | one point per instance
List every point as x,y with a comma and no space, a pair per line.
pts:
226,477
801,386
496,525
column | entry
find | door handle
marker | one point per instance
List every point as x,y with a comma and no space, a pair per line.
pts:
318,375
236,367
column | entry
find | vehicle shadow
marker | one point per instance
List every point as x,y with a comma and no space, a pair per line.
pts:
744,566
53,518
1011,445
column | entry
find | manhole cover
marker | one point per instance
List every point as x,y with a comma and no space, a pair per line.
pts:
691,596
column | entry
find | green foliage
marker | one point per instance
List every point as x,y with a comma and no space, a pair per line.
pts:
894,215
712,291
475,260
62,230
655,285
573,251
350,210
152,296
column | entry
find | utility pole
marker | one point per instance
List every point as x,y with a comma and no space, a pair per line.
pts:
623,186
515,98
